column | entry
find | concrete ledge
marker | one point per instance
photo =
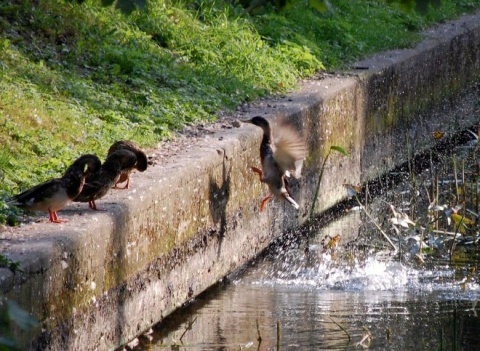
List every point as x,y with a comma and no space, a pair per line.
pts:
102,278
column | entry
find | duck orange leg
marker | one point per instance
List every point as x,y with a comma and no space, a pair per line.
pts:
93,206
264,202
259,172
53,216
121,180
126,186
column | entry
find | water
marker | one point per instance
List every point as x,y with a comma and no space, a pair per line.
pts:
322,300
343,288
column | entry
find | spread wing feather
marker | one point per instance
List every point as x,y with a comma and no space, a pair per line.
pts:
290,149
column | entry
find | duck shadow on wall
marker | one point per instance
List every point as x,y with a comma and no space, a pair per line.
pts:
219,195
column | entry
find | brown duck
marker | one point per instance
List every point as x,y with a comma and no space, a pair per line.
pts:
53,195
281,152
99,183
140,165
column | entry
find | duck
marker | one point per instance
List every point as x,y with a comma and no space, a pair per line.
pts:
281,155
99,183
141,164
53,195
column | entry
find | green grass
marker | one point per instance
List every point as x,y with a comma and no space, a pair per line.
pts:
74,78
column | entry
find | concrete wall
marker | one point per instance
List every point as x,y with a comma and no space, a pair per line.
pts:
104,277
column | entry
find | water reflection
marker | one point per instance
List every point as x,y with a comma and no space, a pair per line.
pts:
389,305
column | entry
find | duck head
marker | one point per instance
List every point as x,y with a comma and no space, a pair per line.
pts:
260,122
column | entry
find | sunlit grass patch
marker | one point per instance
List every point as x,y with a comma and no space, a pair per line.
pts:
74,78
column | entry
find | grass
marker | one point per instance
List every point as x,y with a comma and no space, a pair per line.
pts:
76,77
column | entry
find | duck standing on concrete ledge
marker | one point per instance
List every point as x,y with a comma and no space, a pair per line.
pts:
55,194
99,183
281,152
140,165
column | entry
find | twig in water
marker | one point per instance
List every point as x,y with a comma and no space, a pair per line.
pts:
278,335
454,234
376,225
366,195
477,200
464,192
342,328
457,192
188,327
259,339
455,337
432,177
420,246
457,227
320,176
427,192
366,340
437,186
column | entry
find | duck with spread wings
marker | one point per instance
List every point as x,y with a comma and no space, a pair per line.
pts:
281,153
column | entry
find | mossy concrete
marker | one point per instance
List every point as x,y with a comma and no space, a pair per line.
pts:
104,277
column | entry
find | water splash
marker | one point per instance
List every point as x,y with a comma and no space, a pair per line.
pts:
361,275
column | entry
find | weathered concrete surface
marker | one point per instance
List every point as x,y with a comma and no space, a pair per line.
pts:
104,277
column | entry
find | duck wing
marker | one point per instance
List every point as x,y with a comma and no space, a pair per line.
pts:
98,184
41,196
95,189
290,149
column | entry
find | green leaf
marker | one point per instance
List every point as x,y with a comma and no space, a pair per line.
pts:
339,149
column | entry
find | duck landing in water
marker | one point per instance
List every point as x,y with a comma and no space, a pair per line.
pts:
281,153
53,195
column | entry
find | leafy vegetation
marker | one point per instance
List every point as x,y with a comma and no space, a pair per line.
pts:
432,212
74,76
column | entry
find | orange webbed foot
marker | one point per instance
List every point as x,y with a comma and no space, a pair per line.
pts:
53,216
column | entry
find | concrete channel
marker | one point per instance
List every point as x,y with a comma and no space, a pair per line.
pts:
102,278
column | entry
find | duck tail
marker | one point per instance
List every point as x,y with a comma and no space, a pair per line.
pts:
14,201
